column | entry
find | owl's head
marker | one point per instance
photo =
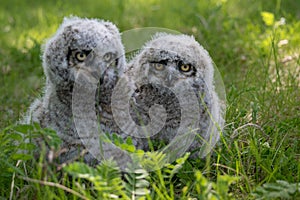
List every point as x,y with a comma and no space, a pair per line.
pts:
87,44
170,59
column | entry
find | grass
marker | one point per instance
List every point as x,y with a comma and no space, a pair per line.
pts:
261,71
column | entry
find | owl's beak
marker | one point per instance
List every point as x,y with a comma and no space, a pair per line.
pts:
170,80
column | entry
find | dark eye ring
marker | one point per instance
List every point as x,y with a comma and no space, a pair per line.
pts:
80,56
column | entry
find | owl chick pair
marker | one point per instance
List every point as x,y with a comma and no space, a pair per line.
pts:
163,93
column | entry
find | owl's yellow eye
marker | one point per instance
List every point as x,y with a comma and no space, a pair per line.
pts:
80,56
107,57
159,66
185,67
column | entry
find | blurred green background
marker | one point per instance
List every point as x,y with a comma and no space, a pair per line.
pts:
238,35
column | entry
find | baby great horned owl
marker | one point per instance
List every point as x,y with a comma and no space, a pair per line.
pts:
165,72
90,45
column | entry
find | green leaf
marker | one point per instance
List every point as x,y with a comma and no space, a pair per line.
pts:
77,169
16,136
136,183
23,128
27,146
21,156
141,173
116,140
127,147
268,18
223,183
141,191
279,189
129,141
142,183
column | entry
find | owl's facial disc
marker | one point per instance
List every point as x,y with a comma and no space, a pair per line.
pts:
92,60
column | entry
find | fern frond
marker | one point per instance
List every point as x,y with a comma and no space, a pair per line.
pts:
278,190
105,179
137,183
